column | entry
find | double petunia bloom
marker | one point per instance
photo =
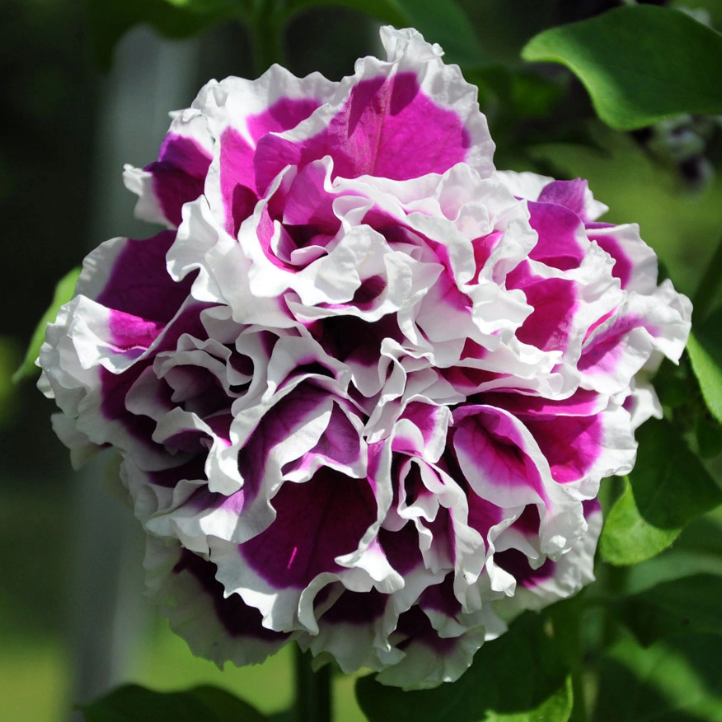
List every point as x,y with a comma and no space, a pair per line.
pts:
364,387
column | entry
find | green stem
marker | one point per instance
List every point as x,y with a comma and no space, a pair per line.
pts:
566,618
267,27
709,285
613,579
313,690
615,585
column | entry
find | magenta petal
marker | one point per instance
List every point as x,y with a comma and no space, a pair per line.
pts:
238,186
316,522
517,564
549,325
415,627
581,403
571,444
604,351
340,443
441,598
569,194
283,114
491,450
483,515
139,284
134,337
277,424
356,608
132,334
237,618
591,507
622,263
388,128
561,236
402,548
308,203
114,390
179,174
354,341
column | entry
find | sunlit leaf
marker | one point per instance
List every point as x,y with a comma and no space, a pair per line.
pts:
133,703
63,293
705,353
640,64
519,677
668,488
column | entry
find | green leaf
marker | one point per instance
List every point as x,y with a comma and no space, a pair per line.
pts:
668,488
709,437
519,677
439,22
673,385
705,352
63,293
682,606
109,20
133,703
640,64
678,680
444,22
627,538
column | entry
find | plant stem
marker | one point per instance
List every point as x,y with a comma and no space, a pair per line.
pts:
313,690
613,579
708,286
267,27
566,620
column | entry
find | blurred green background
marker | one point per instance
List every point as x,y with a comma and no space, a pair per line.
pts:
61,194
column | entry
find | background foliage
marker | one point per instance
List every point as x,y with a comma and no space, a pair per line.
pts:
643,643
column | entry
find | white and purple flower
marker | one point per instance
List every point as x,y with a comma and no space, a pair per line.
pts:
365,387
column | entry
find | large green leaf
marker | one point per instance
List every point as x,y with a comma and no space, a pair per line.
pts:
439,21
705,353
133,703
682,606
63,293
668,488
678,680
709,436
519,677
640,64
109,20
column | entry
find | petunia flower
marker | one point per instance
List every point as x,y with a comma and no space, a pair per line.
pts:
365,387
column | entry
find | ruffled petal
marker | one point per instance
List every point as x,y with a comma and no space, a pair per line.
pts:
363,394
